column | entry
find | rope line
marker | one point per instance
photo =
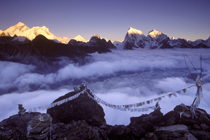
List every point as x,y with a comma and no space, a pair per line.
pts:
201,64
192,64
189,68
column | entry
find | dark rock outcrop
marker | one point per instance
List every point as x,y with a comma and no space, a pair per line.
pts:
77,130
201,45
94,42
81,108
44,50
83,118
15,127
39,127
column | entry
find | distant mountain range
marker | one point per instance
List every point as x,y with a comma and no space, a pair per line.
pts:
39,46
133,39
157,40
22,32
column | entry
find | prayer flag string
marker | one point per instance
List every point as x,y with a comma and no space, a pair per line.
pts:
128,107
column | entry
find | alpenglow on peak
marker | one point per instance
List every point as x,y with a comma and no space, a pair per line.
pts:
154,33
134,31
20,24
79,38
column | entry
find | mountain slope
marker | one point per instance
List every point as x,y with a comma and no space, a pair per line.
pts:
41,50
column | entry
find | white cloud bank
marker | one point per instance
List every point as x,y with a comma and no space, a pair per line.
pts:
120,77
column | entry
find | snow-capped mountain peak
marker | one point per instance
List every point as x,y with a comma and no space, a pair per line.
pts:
35,31
79,38
20,24
20,29
134,31
133,38
17,29
154,33
96,35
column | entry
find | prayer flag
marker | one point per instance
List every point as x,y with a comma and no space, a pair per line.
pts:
184,90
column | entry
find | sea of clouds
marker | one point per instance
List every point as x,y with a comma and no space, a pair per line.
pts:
120,77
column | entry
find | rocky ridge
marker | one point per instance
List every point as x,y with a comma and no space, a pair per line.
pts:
177,124
42,49
95,41
157,40
133,39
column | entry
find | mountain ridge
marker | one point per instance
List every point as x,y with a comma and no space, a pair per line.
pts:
157,40
134,38
20,29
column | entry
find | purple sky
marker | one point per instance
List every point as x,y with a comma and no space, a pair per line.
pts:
189,19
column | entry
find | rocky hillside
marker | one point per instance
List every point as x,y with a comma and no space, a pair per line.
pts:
42,49
83,118
95,41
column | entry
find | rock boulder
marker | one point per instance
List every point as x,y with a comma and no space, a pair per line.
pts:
15,127
81,108
39,127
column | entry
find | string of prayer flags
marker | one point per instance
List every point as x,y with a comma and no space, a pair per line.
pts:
123,107
55,103
128,107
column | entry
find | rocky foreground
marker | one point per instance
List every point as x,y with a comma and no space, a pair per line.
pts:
83,118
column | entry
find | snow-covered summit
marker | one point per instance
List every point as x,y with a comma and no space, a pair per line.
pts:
154,33
79,38
173,38
35,31
133,38
19,29
134,31
96,35
136,39
20,24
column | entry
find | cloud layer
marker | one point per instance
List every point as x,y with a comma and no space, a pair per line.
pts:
120,77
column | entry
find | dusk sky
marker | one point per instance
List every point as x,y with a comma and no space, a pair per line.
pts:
188,19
